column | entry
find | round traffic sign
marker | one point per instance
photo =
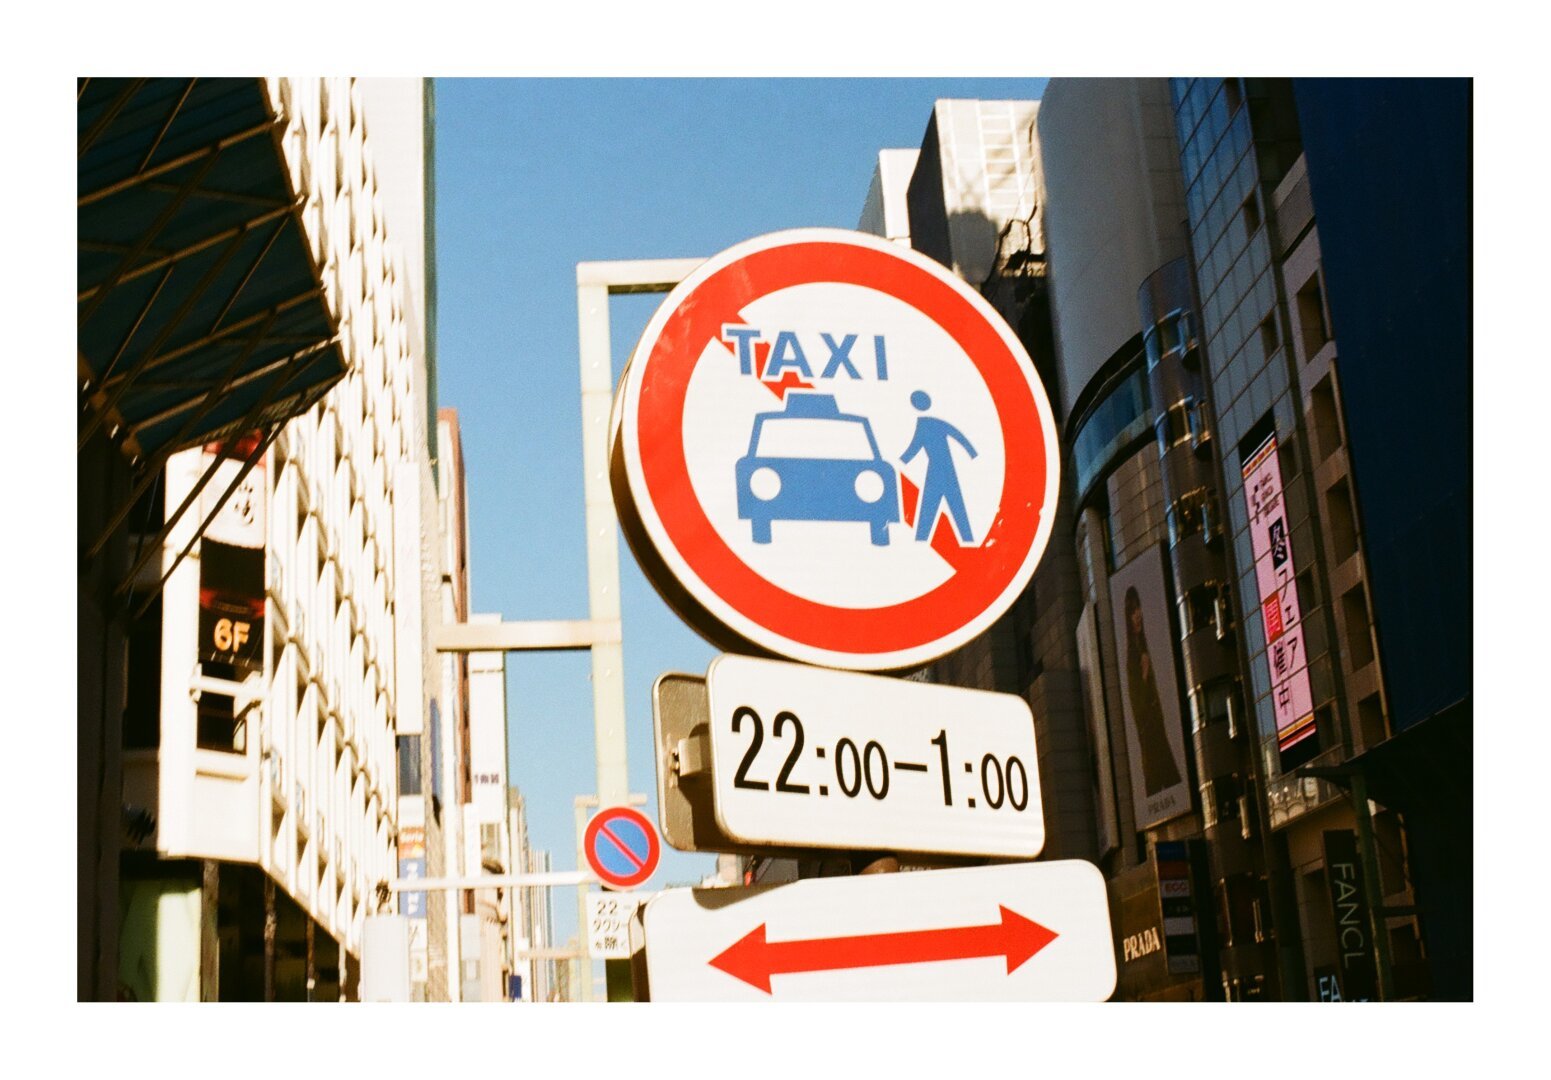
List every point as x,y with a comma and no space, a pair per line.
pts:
827,447
621,847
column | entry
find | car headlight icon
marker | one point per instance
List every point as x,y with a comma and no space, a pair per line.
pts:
869,486
765,483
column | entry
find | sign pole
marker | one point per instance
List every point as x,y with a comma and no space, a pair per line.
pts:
1371,886
608,668
583,959
592,302
829,449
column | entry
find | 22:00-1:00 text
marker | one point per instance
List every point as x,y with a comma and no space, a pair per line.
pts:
1001,783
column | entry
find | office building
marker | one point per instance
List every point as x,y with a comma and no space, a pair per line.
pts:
201,316
972,204
1223,672
276,685
1335,308
1173,831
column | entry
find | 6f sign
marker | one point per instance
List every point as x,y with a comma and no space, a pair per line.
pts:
829,448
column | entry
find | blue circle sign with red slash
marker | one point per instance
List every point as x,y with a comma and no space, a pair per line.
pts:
828,447
621,847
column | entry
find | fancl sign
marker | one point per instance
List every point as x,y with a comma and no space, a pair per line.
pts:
1354,946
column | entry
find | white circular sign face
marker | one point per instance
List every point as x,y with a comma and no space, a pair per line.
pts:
829,448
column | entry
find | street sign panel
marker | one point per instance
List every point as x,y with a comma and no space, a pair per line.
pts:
827,447
608,923
806,757
621,847
1029,932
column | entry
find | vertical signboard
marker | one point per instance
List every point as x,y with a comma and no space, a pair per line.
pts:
1098,728
608,923
1155,739
1354,953
487,735
1178,905
231,560
1275,576
412,865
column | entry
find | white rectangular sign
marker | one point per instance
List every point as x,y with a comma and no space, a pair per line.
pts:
608,923
1017,932
810,757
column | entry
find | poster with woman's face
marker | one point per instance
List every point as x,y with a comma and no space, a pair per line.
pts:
1155,737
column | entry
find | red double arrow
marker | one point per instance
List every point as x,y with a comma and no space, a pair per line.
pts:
753,959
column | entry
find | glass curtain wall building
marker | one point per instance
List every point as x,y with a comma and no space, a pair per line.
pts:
1228,282
1330,649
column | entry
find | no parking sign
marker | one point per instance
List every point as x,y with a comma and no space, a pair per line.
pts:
621,847
829,448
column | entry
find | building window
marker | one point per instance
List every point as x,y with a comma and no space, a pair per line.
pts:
1117,420
143,690
1215,703
409,764
1211,518
1224,617
1185,516
1343,522
1220,800
1311,318
1161,428
1327,423
1176,424
1195,418
1270,338
1172,334
1198,609
1232,94
219,725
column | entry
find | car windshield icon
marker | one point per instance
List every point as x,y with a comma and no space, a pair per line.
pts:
811,462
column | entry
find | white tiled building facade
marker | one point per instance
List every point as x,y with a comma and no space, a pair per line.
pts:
306,786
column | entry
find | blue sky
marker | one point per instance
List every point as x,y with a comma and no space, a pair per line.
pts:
532,177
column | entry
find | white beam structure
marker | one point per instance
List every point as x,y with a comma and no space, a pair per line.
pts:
548,954
625,276
600,631
528,635
492,881
596,283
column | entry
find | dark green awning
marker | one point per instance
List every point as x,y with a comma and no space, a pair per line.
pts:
200,311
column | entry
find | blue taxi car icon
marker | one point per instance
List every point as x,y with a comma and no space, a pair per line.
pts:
812,462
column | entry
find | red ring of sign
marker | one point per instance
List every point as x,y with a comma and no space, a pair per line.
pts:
653,847
660,417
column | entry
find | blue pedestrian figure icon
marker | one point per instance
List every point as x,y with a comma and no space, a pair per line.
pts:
942,478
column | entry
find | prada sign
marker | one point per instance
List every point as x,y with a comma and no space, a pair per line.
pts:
1143,943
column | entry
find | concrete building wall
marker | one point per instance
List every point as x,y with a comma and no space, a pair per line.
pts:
1113,211
977,170
886,213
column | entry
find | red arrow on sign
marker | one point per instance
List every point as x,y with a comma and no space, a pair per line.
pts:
944,541
753,959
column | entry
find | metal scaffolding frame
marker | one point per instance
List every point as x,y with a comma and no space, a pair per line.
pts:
600,633
268,356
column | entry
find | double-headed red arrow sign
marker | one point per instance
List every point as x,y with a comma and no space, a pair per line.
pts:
1016,932
755,960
